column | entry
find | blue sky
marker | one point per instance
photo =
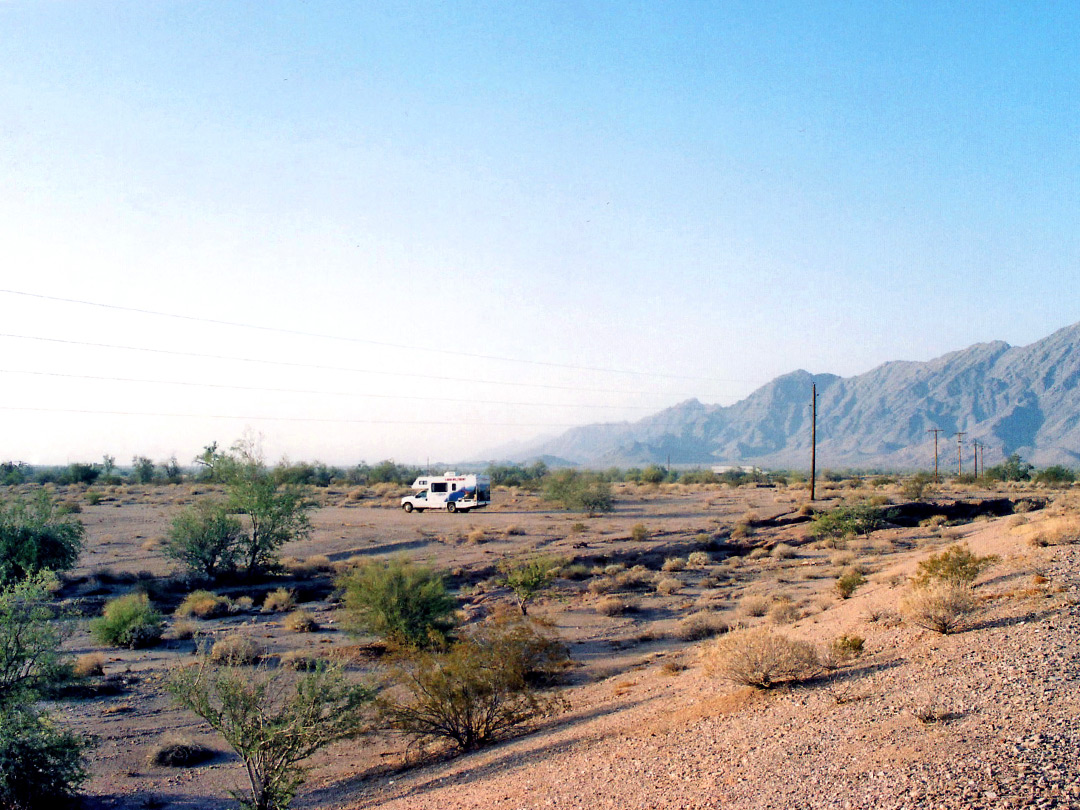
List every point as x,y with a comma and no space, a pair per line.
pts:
707,195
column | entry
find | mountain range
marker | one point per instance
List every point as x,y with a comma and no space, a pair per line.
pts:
1010,399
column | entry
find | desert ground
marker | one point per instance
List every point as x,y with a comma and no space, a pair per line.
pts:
986,717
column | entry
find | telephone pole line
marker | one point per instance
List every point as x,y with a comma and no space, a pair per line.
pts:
960,452
975,457
935,431
813,439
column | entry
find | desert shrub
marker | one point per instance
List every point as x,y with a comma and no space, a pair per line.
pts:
754,606
185,629
761,658
848,582
638,578
205,539
275,514
528,577
674,564
35,536
1055,475
94,497
1014,468
575,571
845,521
241,604
273,719
933,522
577,491
203,604
701,625
88,665
782,551
401,602
941,605
236,650
917,486
299,660
742,530
29,640
277,600
128,621
613,606
956,564
844,648
603,585
668,585
179,752
41,765
638,532
784,612
481,688
698,559
301,621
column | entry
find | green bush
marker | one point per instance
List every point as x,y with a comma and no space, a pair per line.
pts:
846,521
398,601
34,536
203,604
480,689
29,640
205,539
526,578
128,621
274,719
577,491
41,765
848,582
916,487
956,564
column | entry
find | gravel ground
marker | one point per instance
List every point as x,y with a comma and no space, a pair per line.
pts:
1000,703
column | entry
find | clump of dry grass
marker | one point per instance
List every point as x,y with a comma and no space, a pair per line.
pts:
674,564
782,551
941,605
236,650
600,585
88,665
638,578
668,585
614,606
278,600
701,625
843,649
638,532
241,604
301,621
513,530
762,658
698,559
203,605
848,582
185,629
784,612
753,606
299,660
179,752
476,536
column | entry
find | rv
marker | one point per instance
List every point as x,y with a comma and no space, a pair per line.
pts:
452,492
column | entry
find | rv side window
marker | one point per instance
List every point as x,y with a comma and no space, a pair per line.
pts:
453,487
438,487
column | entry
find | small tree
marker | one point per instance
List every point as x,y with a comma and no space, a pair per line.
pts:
480,689
205,539
34,536
275,514
399,601
29,639
956,564
585,492
142,470
846,521
528,577
273,719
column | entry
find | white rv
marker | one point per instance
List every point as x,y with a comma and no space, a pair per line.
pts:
452,492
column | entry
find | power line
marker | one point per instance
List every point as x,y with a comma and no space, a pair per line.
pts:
317,419
289,364
365,341
262,389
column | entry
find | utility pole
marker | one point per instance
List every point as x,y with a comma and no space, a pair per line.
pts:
975,457
813,439
935,431
960,452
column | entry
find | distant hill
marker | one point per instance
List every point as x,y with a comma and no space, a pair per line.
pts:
1012,399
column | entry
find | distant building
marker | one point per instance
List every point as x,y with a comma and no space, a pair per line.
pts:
720,469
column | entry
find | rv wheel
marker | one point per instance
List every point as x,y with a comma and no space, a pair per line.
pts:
451,507
407,507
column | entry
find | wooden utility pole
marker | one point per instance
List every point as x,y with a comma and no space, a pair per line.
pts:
813,439
975,456
960,452
935,431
